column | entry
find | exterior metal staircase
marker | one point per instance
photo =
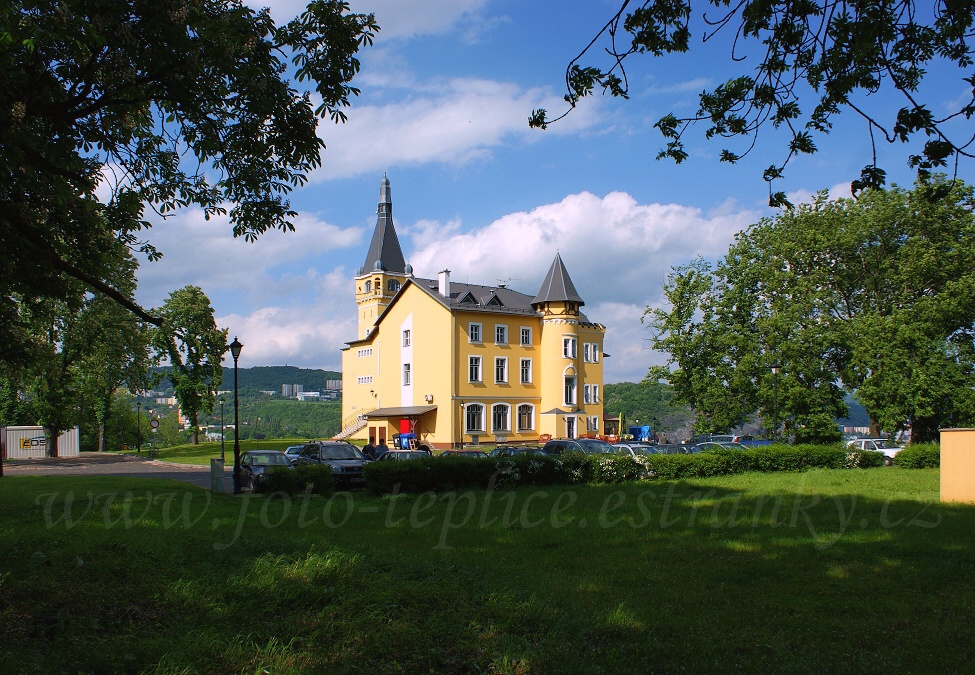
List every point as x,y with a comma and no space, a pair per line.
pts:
352,424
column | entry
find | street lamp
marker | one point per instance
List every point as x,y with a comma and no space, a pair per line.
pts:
462,422
222,428
138,421
235,348
775,399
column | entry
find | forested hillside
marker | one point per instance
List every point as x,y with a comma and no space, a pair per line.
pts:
262,417
645,401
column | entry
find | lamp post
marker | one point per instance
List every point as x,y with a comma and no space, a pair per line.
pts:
775,399
461,446
235,348
222,428
138,421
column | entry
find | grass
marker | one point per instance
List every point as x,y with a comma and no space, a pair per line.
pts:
202,453
817,571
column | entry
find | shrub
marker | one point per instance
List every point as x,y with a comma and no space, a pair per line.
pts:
919,456
314,477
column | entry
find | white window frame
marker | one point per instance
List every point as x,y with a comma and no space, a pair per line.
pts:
585,352
365,379
500,334
570,396
474,368
507,417
531,417
407,338
595,352
595,393
524,330
468,409
523,370
569,346
500,368
472,329
407,380
586,394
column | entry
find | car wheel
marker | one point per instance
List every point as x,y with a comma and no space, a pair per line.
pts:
888,461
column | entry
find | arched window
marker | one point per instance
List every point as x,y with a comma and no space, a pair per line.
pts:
393,285
501,417
368,287
474,417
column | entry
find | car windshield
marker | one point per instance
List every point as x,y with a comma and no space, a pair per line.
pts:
340,452
596,447
276,459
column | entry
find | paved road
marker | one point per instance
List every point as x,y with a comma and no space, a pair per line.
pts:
111,464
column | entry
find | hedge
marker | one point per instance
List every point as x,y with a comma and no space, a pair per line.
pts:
316,478
444,474
920,456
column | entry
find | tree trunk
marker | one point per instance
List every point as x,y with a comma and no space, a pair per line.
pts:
52,442
874,428
101,437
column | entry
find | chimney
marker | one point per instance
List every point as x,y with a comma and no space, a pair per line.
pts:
443,283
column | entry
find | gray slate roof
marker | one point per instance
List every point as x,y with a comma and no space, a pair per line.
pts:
384,248
557,286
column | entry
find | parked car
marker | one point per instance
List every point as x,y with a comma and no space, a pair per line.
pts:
292,451
512,450
588,446
711,446
634,449
345,459
254,463
402,455
889,449
470,454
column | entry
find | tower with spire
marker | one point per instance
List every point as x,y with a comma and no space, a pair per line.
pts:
384,270
459,363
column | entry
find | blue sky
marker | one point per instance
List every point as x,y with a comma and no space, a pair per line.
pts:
447,90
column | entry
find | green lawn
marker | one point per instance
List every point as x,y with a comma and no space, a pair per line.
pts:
856,570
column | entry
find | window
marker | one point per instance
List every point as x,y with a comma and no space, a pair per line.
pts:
595,352
474,369
364,352
393,285
474,417
368,286
526,417
595,393
570,391
586,352
526,336
568,347
501,335
365,379
526,371
590,352
592,424
586,393
406,338
501,417
500,370
406,374
474,332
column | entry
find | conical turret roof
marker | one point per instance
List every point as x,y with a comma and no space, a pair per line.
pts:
384,250
557,286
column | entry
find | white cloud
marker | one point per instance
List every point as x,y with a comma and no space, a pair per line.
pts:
396,18
806,196
454,123
617,252
292,336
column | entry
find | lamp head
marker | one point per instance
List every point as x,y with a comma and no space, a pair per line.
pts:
235,348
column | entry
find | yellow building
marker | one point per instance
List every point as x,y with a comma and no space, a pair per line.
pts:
467,364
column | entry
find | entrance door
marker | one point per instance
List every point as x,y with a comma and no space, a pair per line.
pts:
570,427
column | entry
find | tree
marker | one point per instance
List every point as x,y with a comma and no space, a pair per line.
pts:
876,295
190,340
162,104
834,54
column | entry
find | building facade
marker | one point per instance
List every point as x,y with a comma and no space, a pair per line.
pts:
461,363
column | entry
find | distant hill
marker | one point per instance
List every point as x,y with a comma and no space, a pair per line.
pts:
268,378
